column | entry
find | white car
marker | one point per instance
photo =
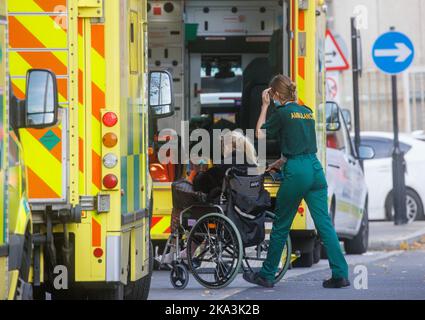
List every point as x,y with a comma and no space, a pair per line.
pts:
378,173
347,189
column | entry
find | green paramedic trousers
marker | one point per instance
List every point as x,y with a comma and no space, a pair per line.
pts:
303,178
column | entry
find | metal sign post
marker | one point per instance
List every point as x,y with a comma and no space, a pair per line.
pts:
393,53
355,38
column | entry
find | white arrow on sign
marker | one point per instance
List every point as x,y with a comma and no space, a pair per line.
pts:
402,52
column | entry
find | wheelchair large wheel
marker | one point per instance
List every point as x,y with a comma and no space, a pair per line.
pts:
215,251
255,256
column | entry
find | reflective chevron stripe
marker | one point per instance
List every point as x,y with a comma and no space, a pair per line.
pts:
160,227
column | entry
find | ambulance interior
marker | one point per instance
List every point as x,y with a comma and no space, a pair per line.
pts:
222,55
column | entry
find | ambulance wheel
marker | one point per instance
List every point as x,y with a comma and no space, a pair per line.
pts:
306,260
179,276
323,253
23,288
39,293
317,251
139,289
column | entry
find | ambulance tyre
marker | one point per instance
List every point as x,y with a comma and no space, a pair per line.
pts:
139,289
24,291
306,260
317,250
107,294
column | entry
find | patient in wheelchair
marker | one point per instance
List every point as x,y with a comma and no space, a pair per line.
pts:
238,153
205,185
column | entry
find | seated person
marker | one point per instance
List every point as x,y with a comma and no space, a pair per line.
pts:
237,152
235,148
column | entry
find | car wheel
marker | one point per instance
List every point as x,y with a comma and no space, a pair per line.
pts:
360,243
414,207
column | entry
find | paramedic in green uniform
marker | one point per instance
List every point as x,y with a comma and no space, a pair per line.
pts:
303,178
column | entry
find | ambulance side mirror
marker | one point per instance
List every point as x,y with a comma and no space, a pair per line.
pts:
161,101
333,122
41,104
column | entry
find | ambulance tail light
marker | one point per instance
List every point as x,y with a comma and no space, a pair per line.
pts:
159,172
110,119
98,252
110,140
110,181
152,156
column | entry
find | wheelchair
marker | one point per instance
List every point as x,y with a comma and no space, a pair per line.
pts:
208,244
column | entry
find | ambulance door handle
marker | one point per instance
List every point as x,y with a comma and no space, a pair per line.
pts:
334,166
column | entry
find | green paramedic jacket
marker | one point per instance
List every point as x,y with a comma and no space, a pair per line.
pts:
295,128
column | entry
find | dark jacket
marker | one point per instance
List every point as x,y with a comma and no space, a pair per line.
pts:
210,182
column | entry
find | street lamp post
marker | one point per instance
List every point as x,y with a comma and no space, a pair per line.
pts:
399,163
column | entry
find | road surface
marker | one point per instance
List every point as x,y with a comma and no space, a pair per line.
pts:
389,275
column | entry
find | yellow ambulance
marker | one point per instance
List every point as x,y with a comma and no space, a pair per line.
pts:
89,189
200,42
37,111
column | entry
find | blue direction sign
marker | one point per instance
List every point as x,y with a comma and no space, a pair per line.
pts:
393,52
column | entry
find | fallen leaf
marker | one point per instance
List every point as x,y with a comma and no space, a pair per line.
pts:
404,246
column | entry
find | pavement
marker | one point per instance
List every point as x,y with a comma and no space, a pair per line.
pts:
387,236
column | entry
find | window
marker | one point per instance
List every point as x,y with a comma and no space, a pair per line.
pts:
383,147
405,147
221,74
13,152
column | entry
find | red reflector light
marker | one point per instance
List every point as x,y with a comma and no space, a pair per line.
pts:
301,210
159,173
110,119
110,181
98,252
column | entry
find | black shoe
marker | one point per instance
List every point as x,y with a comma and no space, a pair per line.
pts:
196,263
255,278
336,283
